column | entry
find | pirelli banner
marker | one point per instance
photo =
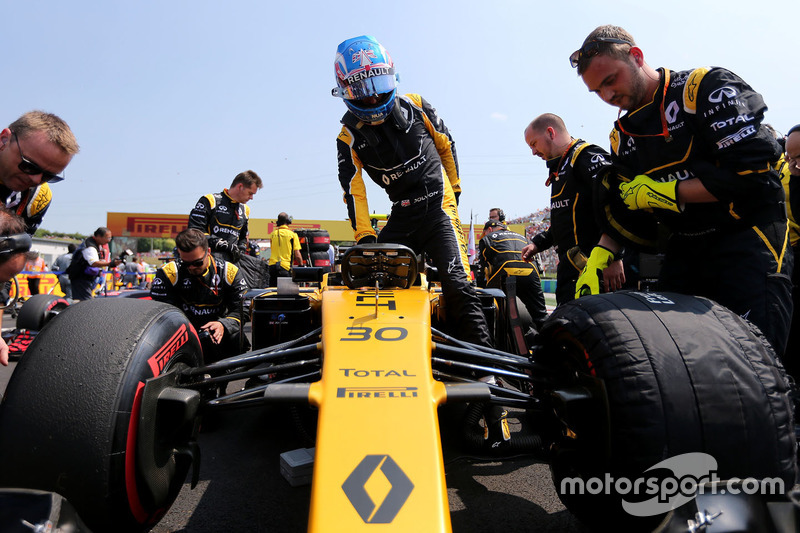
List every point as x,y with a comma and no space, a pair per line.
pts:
168,226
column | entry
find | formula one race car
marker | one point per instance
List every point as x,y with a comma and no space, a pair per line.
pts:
611,386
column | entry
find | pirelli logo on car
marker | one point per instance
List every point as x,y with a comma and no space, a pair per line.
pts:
377,392
158,361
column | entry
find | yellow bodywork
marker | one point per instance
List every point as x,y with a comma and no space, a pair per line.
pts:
378,463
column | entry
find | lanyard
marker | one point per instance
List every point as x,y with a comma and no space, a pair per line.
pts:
664,131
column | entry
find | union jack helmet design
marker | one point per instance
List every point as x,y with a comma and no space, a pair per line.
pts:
363,69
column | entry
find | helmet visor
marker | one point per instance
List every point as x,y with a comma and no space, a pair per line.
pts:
369,86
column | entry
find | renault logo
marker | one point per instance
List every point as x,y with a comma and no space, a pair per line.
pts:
355,488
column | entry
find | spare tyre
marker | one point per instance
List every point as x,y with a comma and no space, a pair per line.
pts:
321,259
681,374
314,240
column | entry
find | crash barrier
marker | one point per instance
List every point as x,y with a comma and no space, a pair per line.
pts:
48,282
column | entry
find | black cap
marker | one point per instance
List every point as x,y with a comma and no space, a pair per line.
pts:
794,129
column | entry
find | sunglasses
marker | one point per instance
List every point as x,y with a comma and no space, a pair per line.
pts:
592,48
196,262
30,168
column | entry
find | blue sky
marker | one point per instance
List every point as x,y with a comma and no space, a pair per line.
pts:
170,99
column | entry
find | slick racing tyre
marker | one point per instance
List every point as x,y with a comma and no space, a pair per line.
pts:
321,259
314,240
73,419
670,374
38,310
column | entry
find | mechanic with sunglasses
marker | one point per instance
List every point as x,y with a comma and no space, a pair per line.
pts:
34,151
209,291
696,178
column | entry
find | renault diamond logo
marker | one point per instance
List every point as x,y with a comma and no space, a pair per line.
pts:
365,474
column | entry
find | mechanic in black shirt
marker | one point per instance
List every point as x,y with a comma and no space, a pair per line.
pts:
406,149
223,216
86,264
34,151
15,245
209,290
573,165
790,177
691,155
500,256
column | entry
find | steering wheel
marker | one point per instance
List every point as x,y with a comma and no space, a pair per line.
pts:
390,265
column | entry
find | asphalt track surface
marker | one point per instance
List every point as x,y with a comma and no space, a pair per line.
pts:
241,488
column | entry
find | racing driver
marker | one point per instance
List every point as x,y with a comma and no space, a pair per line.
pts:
406,149
693,156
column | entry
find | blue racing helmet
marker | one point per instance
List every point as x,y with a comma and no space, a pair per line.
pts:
364,69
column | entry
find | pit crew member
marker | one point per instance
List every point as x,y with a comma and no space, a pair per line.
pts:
693,157
209,290
285,246
500,256
573,165
223,216
15,245
87,262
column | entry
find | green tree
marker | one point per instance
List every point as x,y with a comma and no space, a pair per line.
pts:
43,233
165,245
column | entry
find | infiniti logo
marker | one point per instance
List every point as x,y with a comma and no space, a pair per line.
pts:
723,92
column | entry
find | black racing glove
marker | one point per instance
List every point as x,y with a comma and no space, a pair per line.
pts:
235,253
220,247
368,239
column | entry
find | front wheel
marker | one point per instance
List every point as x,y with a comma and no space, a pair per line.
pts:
69,422
670,374
40,309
